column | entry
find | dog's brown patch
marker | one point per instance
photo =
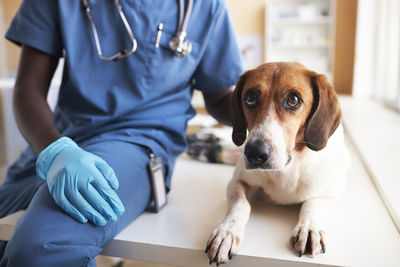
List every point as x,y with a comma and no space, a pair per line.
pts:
309,125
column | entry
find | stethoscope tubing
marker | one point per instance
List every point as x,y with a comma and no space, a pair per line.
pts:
183,22
121,54
178,44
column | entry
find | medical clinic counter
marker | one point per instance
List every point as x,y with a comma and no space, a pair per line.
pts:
359,229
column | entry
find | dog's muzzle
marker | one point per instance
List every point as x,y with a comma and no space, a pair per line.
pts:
257,153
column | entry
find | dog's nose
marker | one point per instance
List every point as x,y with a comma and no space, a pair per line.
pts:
257,153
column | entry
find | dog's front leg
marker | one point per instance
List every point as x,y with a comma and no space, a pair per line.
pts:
308,235
224,241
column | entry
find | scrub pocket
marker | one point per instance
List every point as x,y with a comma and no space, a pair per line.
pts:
165,71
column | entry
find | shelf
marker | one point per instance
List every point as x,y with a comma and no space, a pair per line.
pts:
299,21
301,31
293,46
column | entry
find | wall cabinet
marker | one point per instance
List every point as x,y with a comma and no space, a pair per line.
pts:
301,31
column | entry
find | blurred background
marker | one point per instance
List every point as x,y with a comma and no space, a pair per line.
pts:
348,40
356,44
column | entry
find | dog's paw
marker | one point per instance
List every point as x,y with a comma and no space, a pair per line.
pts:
308,240
223,243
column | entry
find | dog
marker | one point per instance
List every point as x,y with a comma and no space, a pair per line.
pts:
294,153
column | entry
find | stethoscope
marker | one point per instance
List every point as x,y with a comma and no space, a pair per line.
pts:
178,44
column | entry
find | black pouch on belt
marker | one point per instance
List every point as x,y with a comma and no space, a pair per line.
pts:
157,181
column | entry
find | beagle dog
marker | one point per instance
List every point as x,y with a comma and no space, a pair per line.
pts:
294,153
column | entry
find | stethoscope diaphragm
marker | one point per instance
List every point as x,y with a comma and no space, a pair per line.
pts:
178,44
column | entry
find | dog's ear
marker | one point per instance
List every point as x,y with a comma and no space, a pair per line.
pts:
238,121
325,114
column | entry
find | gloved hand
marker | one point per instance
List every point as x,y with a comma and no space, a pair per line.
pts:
81,183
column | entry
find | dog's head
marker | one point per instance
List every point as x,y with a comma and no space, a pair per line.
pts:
285,107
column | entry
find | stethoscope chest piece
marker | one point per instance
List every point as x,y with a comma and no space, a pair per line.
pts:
180,46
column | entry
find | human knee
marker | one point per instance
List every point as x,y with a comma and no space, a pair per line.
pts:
24,250
34,250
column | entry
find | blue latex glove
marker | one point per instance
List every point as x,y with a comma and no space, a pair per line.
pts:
81,183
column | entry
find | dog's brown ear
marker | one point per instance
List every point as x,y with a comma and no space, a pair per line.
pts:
238,121
325,114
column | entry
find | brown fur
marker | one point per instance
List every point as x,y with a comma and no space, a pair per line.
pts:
310,125
325,116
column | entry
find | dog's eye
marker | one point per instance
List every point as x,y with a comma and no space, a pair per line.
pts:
251,99
292,101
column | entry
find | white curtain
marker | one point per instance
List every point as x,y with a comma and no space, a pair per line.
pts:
377,66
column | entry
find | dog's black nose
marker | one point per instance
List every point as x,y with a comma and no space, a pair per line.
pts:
257,153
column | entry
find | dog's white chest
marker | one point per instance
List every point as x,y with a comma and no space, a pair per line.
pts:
310,174
282,187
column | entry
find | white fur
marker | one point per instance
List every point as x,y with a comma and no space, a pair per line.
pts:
309,174
312,178
272,132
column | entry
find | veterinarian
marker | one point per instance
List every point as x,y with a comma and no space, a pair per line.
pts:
125,97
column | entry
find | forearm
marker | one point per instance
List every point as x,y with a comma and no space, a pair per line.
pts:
34,118
218,106
32,113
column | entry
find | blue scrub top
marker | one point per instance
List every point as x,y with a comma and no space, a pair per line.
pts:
144,98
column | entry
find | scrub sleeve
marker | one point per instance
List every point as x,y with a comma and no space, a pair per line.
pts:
220,65
45,235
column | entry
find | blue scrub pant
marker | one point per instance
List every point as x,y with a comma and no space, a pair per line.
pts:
47,236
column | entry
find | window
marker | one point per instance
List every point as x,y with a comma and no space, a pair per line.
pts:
377,65
372,116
